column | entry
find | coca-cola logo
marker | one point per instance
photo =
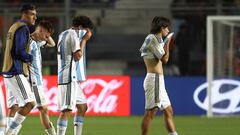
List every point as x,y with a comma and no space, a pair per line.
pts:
100,95
105,95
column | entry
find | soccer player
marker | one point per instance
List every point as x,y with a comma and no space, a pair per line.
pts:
15,69
41,37
72,70
155,52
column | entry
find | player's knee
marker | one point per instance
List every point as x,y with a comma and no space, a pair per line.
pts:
82,108
43,109
14,108
30,105
150,114
169,112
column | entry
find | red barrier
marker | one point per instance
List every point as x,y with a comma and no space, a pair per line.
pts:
106,95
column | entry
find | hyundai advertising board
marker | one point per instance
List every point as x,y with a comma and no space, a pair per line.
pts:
188,95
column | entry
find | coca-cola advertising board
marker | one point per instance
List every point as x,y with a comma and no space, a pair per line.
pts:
106,95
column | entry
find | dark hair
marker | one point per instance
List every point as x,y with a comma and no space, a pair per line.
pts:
46,25
158,23
26,7
83,21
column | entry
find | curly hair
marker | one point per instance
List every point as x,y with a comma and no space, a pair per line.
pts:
83,21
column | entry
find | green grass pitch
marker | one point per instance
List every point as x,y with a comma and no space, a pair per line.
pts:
186,125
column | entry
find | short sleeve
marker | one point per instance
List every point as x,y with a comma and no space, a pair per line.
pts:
74,41
42,43
157,48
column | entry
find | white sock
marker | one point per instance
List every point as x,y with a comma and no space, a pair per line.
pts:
15,125
2,126
17,120
51,130
61,127
9,121
173,133
78,125
2,131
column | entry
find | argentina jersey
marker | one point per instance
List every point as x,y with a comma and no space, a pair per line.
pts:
35,67
69,69
150,45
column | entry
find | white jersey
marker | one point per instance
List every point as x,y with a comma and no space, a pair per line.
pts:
68,69
152,47
35,67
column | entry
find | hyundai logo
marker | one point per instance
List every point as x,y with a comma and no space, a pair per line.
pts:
225,96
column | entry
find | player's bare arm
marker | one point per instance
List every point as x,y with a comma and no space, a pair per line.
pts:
165,57
50,42
77,55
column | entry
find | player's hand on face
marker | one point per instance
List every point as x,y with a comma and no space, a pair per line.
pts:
88,34
170,35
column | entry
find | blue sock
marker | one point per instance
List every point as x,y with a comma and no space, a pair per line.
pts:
78,119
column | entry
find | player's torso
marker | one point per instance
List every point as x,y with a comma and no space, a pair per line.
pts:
69,69
153,65
35,67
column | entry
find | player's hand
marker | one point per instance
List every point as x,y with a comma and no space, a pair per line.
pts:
170,35
88,34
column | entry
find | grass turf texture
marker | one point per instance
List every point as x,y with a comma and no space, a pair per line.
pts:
186,125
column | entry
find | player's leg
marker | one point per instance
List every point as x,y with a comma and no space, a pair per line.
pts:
147,119
26,101
44,118
65,105
81,105
151,88
79,118
166,108
12,104
11,113
42,107
168,119
63,122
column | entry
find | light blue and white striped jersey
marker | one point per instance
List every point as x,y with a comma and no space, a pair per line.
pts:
152,47
68,69
35,67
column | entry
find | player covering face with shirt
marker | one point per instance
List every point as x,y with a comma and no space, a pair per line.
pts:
155,53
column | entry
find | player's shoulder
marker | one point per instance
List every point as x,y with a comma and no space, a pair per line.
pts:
82,31
33,44
150,37
66,32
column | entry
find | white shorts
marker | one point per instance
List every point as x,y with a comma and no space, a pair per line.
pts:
155,92
39,95
18,90
69,95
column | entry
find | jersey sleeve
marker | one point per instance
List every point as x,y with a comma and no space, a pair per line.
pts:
21,42
156,48
42,43
74,41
